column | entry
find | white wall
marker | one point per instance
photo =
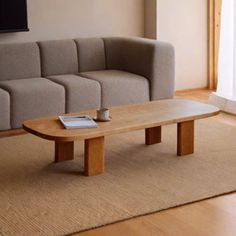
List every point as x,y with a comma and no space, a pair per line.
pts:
184,24
58,19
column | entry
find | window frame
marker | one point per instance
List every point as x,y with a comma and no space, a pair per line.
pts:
214,16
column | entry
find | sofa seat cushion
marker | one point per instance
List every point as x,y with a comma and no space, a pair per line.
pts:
81,93
4,110
32,98
120,87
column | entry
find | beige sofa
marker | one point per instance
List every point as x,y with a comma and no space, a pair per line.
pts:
53,77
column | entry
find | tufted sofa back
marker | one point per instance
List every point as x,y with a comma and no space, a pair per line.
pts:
91,54
54,57
19,61
58,57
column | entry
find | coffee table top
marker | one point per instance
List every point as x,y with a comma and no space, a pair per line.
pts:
124,119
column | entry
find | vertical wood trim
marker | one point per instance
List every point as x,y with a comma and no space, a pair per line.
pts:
214,13
217,16
210,44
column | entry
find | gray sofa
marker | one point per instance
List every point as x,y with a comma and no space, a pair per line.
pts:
54,77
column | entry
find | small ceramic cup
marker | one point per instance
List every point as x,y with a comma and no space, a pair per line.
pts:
103,114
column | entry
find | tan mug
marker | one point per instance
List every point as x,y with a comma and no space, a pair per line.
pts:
103,114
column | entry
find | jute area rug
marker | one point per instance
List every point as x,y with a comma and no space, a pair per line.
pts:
38,197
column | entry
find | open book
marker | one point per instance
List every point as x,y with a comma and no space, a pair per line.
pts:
75,122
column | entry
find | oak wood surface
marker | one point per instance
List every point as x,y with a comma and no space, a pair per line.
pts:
214,22
185,138
64,151
153,135
94,156
125,119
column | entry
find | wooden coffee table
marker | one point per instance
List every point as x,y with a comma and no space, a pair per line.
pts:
149,116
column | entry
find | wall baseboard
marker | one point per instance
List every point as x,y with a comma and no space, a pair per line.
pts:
192,90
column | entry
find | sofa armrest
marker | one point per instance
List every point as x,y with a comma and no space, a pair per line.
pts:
152,59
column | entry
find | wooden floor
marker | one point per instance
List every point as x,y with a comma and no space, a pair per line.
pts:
214,217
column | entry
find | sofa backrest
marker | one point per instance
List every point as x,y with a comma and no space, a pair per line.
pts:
54,57
91,54
19,60
58,57
124,54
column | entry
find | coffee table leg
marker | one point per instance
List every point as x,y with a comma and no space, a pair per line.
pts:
153,135
64,151
94,156
185,139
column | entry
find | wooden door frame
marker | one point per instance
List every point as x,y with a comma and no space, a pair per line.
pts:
214,15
